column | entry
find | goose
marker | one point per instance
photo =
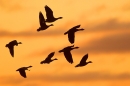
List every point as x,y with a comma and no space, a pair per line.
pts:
22,71
43,25
50,15
67,53
11,45
71,33
83,61
48,59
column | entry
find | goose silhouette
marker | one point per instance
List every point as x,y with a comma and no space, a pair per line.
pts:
50,15
83,61
11,45
67,53
42,22
22,71
48,59
71,33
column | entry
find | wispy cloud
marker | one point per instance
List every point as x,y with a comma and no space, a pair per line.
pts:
10,5
83,77
108,44
110,25
126,7
30,33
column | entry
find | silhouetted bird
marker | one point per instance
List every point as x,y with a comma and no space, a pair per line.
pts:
48,59
43,25
11,45
83,61
71,33
22,71
67,53
50,16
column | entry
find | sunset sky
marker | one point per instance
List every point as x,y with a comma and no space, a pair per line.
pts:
106,39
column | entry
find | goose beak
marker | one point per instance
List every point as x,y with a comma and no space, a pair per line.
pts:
60,51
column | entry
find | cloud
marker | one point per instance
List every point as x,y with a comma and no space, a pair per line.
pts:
41,52
30,33
109,25
114,42
89,76
10,5
82,77
108,44
126,7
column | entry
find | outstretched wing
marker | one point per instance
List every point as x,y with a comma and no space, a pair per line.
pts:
77,26
49,13
71,37
68,56
66,32
22,73
50,55
85,57
11,50
69,47
41,19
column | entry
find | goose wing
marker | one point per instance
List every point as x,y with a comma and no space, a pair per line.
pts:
11,50
71,37
85,57
50,55
77,26
41,19
68,56
66,32
22,73
49,13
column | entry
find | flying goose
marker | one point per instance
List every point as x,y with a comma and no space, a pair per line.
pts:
67,53
83,61
11,45
43,25
48,58
50,15
71,33
22,71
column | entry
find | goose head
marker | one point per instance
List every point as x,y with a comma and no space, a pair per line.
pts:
59,18
89,62
6,45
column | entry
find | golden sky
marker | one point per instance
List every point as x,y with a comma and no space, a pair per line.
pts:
106,39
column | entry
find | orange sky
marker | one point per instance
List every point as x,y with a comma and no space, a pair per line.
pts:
106,39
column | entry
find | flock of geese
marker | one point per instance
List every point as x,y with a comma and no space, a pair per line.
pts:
66,50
